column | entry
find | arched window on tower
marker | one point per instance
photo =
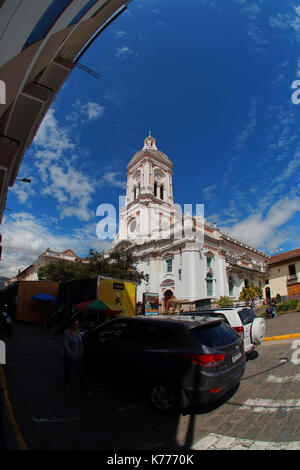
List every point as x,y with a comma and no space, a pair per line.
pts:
162,192
134,193
155,189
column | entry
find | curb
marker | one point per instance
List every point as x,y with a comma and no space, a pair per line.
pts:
10,413
272,338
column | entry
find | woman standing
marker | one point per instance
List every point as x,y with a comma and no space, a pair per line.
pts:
73,357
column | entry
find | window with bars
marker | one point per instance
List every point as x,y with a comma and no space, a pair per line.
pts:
169,265
209,285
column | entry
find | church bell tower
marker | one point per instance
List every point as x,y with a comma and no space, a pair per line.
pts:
149,204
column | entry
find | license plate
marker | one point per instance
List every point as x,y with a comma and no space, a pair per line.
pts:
236,356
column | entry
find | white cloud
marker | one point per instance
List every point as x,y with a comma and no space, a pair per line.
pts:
52,136
287,23
26,237
162,24
113,178
209,191
72,189
125,52
249,127
56,161
119,34
291,168
54,154
24,193
241,140
255,33
85,112
264,231
92,110
115,98
298,69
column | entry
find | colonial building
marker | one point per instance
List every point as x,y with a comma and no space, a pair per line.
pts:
180,253
48,256
283,275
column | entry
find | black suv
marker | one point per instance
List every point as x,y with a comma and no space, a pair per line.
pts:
183,362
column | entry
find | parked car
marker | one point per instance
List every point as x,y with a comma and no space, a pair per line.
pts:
242,319
180,362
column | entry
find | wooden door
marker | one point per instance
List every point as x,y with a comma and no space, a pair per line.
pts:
294,290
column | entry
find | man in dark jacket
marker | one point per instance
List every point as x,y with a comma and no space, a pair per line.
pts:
73,357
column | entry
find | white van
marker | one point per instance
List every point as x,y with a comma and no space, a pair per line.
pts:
243,320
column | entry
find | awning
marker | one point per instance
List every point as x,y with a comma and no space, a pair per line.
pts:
97,305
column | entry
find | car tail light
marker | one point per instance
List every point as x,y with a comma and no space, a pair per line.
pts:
215,390
205,360
239,330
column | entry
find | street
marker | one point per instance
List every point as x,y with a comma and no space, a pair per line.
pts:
119,418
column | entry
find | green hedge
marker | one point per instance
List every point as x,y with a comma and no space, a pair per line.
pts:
288,305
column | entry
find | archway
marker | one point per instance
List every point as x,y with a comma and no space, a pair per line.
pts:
167,295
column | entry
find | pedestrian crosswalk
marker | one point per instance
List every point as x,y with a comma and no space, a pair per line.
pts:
264,405
282,380
219,442
215,441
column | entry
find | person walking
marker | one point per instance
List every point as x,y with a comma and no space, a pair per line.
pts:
73,357
269,312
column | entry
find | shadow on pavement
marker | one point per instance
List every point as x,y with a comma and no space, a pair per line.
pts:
50,418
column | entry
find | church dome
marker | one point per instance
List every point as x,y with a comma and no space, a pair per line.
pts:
150,142
150,149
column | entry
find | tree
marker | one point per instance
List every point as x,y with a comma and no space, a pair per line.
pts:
63,270
249,294
225,301
117,264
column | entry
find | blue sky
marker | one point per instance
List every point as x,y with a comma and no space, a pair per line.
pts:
212,80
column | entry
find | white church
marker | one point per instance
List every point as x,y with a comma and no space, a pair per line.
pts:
179,252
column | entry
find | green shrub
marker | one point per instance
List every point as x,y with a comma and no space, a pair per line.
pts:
288,305
224,302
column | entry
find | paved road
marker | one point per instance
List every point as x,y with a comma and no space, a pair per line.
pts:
117,418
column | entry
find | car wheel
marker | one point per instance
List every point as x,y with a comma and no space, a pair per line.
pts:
164,397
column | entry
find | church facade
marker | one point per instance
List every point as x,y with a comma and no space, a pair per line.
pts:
179,252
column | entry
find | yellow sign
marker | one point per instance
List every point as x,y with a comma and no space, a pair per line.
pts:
117,295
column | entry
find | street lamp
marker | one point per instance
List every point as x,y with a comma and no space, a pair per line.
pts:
24,180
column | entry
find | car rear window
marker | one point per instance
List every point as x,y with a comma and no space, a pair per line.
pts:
215,335
208,313
246,315
149,332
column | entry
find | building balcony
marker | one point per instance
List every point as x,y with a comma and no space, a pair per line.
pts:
292,278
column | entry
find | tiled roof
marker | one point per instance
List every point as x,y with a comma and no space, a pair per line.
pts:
287,256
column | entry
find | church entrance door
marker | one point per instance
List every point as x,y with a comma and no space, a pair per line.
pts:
167,295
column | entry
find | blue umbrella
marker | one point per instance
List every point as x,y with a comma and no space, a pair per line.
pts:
45,297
